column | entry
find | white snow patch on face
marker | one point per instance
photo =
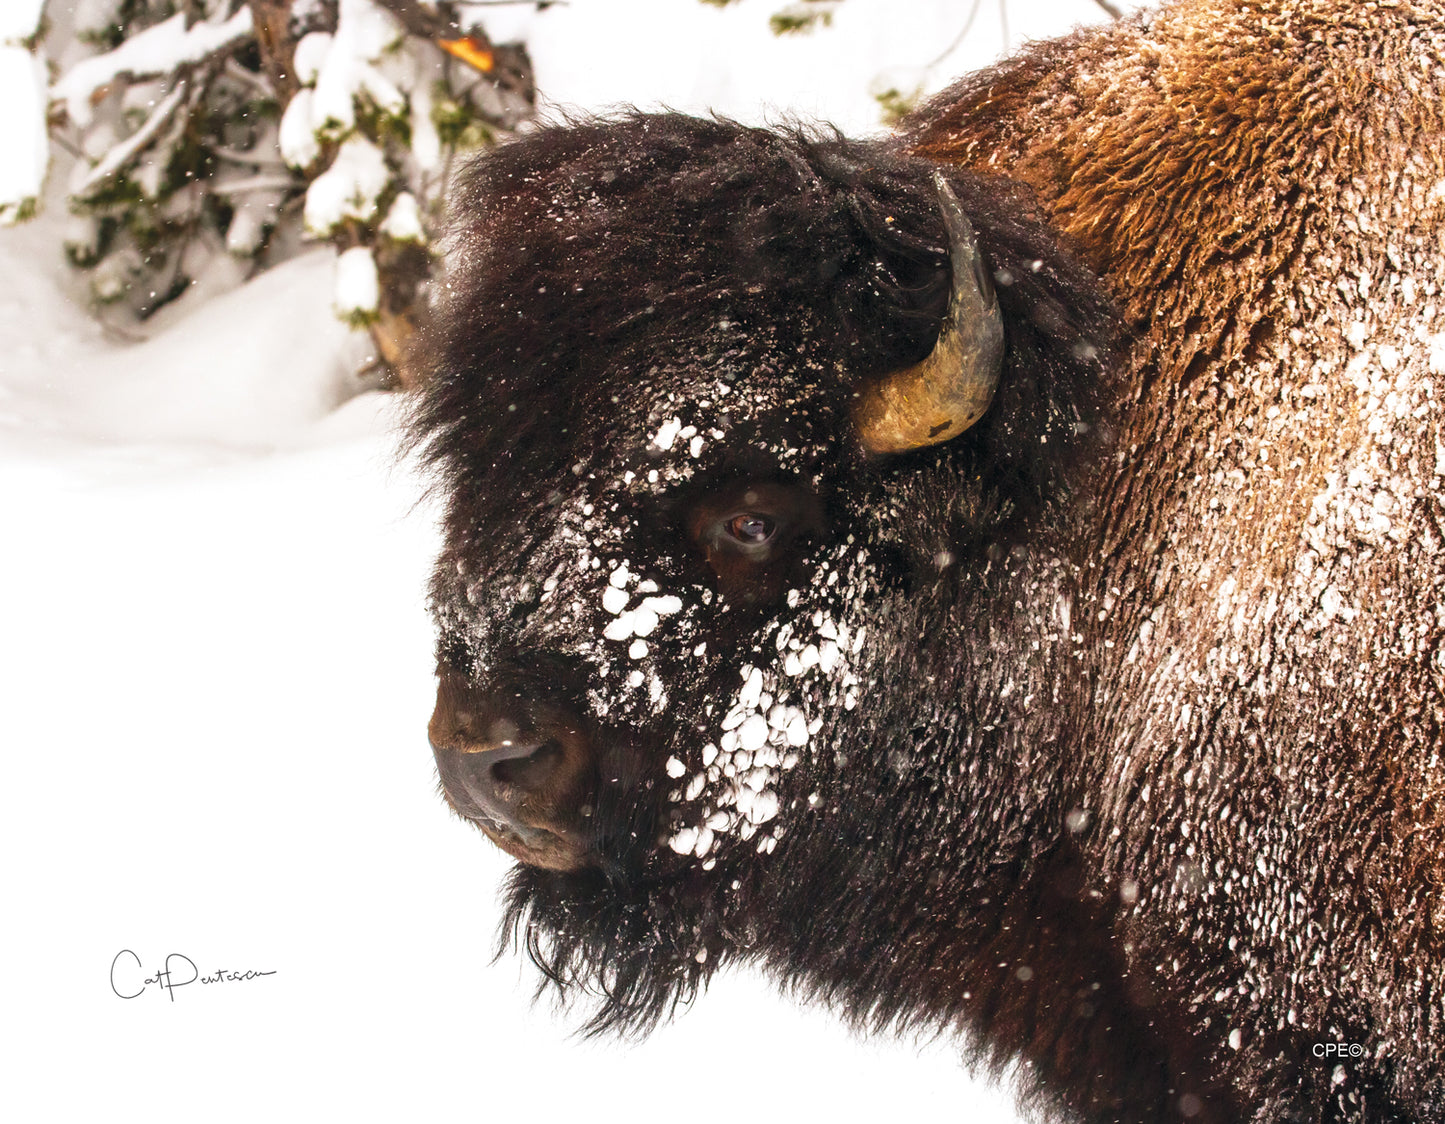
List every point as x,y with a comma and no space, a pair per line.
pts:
665,436
638,608
766,728
767,725
642,619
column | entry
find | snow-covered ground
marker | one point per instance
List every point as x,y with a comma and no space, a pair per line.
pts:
215,676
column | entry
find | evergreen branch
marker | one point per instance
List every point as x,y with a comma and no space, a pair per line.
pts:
156,51
122,154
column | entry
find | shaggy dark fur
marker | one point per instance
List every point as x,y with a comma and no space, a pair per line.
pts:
578,246
1126,758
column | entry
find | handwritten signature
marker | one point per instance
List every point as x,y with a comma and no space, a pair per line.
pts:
129,981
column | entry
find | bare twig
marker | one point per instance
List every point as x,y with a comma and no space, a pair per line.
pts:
260,159
69,146
419,21
257,82
967,27
1115,12
123,333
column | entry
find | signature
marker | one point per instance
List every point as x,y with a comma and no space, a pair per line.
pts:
129,980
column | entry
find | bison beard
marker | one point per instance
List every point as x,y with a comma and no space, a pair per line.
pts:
1108,731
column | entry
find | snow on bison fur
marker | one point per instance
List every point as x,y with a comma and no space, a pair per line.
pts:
991,578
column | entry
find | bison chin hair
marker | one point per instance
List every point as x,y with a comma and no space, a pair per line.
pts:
634,955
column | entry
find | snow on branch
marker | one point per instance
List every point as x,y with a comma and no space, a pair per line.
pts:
207,152
119,156
19,20
358,288
348,189
23,137
157,50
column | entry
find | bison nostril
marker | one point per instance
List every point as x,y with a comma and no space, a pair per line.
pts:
525,786
516,785
531,771
518,765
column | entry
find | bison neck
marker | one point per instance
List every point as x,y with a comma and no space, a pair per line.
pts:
1268,569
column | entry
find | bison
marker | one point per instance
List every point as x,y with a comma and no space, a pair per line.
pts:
991,577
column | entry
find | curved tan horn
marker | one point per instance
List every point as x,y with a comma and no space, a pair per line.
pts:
937,399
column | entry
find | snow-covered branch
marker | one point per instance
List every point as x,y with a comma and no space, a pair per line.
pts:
23,137
121,155
348,113
158,50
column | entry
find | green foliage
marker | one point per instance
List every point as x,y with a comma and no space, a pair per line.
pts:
383,128
785,23
458,123
23,211
119,193
803,17
357,318
897,105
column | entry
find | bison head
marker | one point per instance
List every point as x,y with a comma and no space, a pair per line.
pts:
732,646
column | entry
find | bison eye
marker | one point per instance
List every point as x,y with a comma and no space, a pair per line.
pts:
752,529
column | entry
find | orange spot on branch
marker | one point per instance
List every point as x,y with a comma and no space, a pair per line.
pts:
470,50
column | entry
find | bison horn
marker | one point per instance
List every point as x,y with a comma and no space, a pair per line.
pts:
937,399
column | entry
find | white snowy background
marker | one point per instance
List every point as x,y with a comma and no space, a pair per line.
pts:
215,677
